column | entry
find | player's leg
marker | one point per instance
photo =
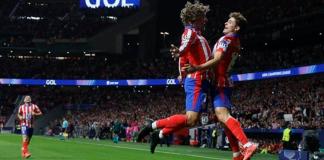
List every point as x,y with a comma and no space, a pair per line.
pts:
195,98
222,104
30,134
25,152
233,144
25,141
177,121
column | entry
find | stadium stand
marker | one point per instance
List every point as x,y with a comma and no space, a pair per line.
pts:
294,39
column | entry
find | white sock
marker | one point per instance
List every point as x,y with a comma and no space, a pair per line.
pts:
161,134
236,154
247,145
154,125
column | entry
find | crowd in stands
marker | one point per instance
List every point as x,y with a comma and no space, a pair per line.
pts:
58,20
2,122
123,111
303,98
272,58
82,67
253,102
259,13
66,20
87,68
268,11
268,146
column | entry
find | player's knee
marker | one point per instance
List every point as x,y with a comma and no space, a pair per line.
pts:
190,123
222,117
25,139
191,120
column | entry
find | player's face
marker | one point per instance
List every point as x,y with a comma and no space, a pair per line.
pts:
230,26
27,99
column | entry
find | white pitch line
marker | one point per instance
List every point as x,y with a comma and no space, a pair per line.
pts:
146,150
140,149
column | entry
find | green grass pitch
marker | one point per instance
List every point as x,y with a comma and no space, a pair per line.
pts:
49,148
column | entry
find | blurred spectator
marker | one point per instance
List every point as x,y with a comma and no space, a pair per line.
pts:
116,109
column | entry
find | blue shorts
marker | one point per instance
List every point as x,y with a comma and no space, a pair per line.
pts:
27,131
222,97
196,94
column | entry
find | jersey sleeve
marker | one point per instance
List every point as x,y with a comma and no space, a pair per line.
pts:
36,109
188,38
222,45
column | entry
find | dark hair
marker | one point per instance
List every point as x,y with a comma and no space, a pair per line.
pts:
192,11
239,19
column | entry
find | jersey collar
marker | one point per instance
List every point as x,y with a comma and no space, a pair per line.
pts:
234,35
190,26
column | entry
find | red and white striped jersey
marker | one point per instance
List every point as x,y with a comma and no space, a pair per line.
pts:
195,50
26,111
229,45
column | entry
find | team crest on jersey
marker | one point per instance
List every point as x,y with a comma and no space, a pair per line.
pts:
186,37
224,43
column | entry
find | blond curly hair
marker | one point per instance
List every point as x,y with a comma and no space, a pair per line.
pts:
193,11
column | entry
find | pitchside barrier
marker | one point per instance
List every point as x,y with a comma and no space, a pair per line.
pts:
297,71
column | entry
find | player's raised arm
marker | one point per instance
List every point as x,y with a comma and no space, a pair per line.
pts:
187,39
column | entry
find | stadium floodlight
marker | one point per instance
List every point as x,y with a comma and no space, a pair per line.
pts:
165,33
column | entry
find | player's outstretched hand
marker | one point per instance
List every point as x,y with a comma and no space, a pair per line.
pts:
175,53
180,79
21,118
188,68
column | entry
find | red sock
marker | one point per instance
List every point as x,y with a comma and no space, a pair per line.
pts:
25,146
234,126
167,131
232,140
175,121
